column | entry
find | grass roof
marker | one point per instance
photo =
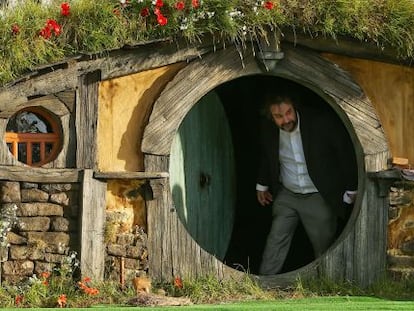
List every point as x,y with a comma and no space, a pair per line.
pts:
32,34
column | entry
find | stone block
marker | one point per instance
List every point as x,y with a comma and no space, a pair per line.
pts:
134,251
59,224
18,252
9,192
41,266
14,238
4,254
54,188
52,241
55,258
407,248
60,198
34,223
18,267
29,185
116,250
13,278
125,239
40,209
34,195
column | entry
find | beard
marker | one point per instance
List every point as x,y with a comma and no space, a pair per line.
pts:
289,126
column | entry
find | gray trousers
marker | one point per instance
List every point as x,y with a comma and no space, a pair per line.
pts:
288,208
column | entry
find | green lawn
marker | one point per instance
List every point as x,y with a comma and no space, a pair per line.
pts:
322,303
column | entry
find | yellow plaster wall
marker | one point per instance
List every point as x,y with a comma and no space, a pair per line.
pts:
391,90
124,108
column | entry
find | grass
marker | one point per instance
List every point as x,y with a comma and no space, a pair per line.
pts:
208,293
98,26
319,303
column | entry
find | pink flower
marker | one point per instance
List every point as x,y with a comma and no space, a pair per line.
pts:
65,9
180,5
144,12
268,5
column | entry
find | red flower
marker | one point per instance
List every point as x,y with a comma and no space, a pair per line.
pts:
15,29
180,5
45,274
18,300
144,12
268,5
195,3
159,3
65,9
54,26
162,20
46,32
178,282
86,279
62,301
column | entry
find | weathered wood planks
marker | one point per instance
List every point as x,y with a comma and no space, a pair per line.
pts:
358,255
39,175
93,204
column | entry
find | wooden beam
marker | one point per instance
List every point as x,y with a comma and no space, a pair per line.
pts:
130,175
39,175
346,46
87,119
93,206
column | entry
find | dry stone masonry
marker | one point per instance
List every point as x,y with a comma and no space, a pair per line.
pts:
401,230
46,228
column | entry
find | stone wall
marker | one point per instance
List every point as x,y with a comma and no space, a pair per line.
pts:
401,230
46,229
127,256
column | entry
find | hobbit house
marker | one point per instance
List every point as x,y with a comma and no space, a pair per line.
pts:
143,160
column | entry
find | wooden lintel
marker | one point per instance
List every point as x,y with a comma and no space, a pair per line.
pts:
130,175
39,175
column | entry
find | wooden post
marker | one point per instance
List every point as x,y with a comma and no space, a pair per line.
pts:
87,119
93,200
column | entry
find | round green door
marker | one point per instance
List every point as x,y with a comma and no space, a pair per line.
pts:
202,175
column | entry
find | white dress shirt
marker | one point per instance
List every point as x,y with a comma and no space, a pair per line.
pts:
293,170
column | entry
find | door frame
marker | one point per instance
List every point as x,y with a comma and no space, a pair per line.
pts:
353,256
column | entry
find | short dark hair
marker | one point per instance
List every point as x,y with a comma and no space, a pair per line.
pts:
271,99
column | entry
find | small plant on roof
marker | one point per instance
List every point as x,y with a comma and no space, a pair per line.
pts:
33,34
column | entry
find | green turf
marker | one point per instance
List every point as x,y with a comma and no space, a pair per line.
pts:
320,304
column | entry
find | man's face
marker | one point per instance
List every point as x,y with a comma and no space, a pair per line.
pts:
284,115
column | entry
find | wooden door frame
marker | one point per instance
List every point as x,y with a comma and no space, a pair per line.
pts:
359,254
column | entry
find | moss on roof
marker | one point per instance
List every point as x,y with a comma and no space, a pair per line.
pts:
32,34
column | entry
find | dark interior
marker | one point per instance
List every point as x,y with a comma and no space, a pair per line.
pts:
242,99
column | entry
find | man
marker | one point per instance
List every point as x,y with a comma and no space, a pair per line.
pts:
307,170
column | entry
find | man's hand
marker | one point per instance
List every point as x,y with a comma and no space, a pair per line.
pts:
350,196
264,197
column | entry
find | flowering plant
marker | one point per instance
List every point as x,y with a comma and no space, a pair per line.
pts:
32,33
8,219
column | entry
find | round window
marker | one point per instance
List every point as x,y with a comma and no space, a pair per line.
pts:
33,136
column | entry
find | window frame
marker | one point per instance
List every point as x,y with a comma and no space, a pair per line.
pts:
55,138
